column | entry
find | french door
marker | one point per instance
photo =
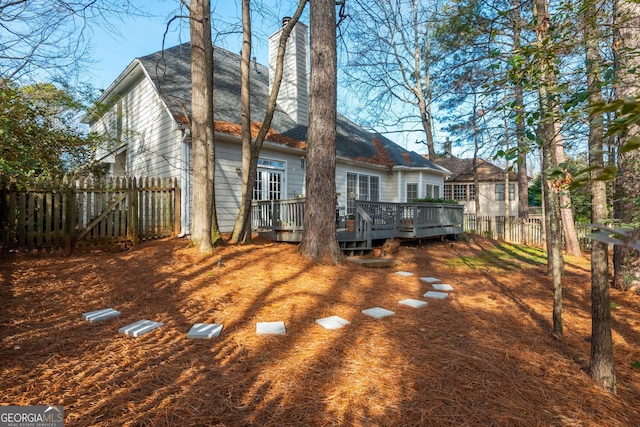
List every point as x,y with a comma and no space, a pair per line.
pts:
269,185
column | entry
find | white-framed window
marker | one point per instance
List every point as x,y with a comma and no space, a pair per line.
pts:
361,187
411,192
472,191
432,190
500,192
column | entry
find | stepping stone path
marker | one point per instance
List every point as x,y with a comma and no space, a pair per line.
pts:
104,314
270,328
139,328
204,330
436,295
404,273
378,312
333,322
415,303
211,330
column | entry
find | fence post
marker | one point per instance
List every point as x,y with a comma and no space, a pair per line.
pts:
69,215
135,238
177,208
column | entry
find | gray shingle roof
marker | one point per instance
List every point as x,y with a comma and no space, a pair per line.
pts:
170,71
462,169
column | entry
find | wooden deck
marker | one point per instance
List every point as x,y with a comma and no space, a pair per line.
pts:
282,221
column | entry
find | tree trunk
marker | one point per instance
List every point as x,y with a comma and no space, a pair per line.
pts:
523,149
547,133
203,157
601,366
566,211
251,149
423,88
626,260
319,241
242,229
476,148
507,193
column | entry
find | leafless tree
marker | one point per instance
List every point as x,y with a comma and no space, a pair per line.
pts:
389,63
251,149
50,39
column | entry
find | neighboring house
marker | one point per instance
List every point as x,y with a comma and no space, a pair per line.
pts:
146,110
460,186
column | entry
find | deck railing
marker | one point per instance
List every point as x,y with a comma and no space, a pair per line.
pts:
374,220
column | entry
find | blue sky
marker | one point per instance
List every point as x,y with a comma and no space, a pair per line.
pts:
133,37
137,36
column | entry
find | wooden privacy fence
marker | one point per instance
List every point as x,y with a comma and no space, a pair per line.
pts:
77,211
527,232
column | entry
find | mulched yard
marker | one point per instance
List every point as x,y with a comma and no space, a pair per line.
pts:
484,356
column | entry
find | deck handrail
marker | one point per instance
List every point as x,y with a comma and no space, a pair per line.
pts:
288,215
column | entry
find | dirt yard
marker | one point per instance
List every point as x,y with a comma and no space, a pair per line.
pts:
484,356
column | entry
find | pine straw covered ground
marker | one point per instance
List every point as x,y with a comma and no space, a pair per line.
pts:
483,357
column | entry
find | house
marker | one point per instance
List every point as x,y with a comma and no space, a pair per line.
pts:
460,185
145,112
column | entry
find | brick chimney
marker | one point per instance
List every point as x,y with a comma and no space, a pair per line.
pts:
293,96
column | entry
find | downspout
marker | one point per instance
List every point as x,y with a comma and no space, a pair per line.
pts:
185,184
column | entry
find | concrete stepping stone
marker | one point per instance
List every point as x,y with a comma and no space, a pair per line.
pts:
204,330
415,303
378,312
436,295
98,315
270,328
404,273
442,287
139,328
333,322
429,279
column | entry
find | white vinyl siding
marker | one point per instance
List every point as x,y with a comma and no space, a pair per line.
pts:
140,123
361,186
229,177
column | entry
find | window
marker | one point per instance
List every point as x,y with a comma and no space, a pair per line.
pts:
432,190
472,191
269,183
271,163
361,187
448,188
412,191
500,192
460,192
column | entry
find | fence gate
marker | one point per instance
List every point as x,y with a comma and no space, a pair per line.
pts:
80,211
